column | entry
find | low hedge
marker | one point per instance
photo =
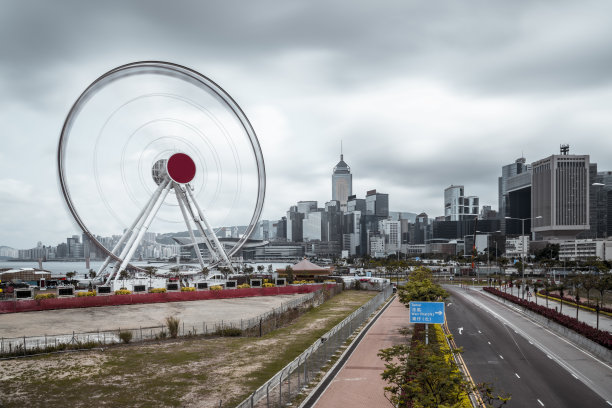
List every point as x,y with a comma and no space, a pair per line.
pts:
158,290
216,287
187,289
83,294
123,292
42,296
598,336
573,300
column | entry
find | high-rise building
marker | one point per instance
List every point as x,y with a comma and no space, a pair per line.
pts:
294,224
560,196
514,187
342,182
377,204
458,207
306,207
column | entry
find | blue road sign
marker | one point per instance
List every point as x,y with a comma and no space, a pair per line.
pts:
427,312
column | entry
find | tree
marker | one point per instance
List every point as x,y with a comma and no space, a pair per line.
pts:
260,269
588,282
270,270
150,272
289,273
92,274
123,275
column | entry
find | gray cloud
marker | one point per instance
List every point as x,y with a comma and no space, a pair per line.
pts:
423,94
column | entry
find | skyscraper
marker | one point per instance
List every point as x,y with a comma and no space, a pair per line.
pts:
515,197
560,196
458,207
342,182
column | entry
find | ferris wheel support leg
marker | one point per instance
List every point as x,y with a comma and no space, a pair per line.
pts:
213,253
209,228
130,230
144,228
137,226
179,198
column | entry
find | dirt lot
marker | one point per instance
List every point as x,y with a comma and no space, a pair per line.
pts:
133,316
197,372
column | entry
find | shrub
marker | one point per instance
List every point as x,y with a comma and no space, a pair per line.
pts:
42,296
598,336
83,294
216,287
158,290
125,336
187,289
173,326
123,292
268,285
244,286
229,332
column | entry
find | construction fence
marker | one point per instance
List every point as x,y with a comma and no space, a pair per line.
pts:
295,376
256,326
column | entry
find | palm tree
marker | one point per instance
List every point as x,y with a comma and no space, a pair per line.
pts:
150,271
123,276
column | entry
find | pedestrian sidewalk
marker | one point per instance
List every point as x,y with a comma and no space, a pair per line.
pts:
359,384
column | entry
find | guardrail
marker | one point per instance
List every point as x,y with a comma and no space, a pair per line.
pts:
296,375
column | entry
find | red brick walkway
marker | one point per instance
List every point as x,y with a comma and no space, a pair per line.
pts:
358,384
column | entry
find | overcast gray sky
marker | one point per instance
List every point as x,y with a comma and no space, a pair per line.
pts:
423,94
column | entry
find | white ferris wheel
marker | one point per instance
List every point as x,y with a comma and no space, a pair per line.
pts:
144,132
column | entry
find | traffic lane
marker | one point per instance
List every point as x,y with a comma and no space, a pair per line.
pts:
495,353
591,370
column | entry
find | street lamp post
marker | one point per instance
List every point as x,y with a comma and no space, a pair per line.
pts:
488,246
523,246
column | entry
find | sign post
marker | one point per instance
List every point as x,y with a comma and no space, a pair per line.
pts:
427,312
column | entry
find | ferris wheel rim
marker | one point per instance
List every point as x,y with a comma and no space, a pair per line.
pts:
174,70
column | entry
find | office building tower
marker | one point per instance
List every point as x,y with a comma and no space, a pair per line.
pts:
294,224
514,188
377,204
560,196
342,182
305,207
458,207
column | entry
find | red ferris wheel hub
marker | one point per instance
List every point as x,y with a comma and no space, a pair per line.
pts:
181,168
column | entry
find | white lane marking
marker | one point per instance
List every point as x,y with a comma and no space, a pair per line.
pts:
608,402
479,332
489,342
574,375
530,342
460,330
517,376
549,356
541,403
500,356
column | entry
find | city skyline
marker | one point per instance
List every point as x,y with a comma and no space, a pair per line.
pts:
419,105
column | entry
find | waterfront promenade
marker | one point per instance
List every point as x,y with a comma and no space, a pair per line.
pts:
359,383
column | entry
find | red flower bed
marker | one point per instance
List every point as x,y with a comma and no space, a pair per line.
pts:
572,300
598,336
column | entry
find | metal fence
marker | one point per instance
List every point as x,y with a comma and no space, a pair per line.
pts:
295,376
258,325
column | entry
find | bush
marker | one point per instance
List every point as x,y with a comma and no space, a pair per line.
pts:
244,286
187,289
229,332
268,285
123,292
125,336
598,336
173,326
216,287
42,296
83,294
158,290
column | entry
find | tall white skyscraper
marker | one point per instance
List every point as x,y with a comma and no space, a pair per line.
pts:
342,182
